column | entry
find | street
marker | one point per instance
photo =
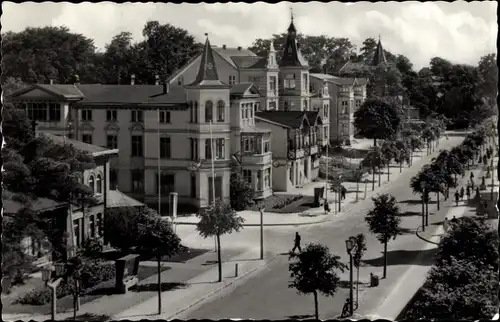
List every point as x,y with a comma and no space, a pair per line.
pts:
267,295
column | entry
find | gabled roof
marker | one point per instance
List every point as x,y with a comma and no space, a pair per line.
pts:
288,119
351,67
12,205
228,54
249,62
207,72
334,79
94,150
244,89
97,94
313,117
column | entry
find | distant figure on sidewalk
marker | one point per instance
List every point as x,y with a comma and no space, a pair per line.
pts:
462,192
343,191
445,225
457,197
326,206
296,243
345,309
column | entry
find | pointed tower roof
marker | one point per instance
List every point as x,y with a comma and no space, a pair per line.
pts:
379,56
207,73
291,53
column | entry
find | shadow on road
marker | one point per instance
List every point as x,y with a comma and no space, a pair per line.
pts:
404,257
416,202
407,231
410,213
300,317
90,317
153,287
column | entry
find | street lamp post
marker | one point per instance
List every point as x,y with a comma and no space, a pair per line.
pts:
349,244
366,186
261,210
340,193
423,206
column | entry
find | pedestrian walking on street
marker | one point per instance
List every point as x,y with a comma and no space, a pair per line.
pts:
462,192
467,192
296,243
345,309
472,183
457,197
445,225
343,191
327,207
471,175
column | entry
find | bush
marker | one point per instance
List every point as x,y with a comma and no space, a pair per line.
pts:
92,247
93,273
283,203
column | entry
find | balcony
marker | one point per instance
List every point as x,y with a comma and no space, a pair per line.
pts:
257,159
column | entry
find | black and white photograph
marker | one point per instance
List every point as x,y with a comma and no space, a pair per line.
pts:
267,161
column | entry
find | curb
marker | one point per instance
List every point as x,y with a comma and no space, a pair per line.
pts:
210,294
268,225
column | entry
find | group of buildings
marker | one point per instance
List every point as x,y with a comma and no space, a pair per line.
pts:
226,110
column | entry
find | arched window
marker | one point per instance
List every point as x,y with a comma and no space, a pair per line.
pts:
99,183
91,183
220,111
209,106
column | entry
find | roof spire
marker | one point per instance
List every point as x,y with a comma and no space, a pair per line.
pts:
291,28
379,55
271,47
207,73
291,12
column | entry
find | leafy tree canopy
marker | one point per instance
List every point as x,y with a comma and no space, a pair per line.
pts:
241,192
384,218
377,119
218,219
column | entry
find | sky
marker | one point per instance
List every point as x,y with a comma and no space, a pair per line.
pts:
459,31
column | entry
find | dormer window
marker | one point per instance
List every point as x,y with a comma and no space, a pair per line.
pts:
289,82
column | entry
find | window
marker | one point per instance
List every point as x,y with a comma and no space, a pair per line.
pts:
193,187
285,105
272,83
112,141
305,105
325,111
37,111
305,86
191,111
111,115
208,150
259,180
248,144
220,148
54,112
272,105
194,148
251,109
87,138
358,103
164,117
76,229
113,179
167,183
232,80
208,111
98,183
136,116
220,111
99,224
267,146
92,226
165,148
196,112
91,183
267,178
137,144
289,81
344,107
247,176
137,180
87,115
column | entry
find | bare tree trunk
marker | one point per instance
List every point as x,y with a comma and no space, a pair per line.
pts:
316,309
379,176
385,259
373,178
437,194
158,266
401,167
388,171
219,258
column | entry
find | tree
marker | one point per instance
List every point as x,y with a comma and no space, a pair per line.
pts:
359,250
367,50
389,152
488,73
315,271
402,153
374,159
451,162
377,119
384,221
121,226
157,238
59,55
216,220
241,192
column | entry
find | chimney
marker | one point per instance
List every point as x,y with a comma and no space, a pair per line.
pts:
166,88
51,81
239,48
77,79
157,80
224,47
132,79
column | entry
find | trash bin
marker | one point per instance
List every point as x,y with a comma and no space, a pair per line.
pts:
373,280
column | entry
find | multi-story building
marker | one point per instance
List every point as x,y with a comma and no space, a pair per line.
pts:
346,95
80,222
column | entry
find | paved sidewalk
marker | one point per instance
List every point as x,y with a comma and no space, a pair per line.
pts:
199,289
